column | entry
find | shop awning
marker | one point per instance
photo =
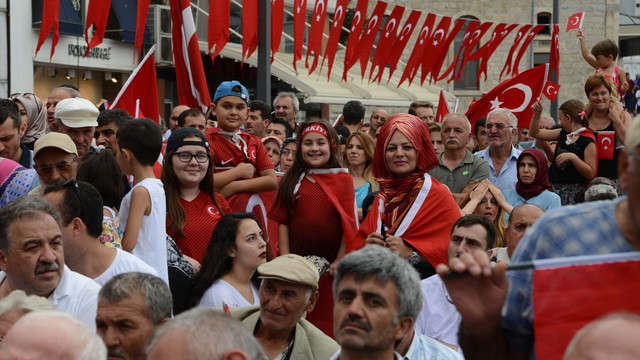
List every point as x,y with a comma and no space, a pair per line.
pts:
126,11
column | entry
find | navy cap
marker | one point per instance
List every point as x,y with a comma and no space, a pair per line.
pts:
226,89
177,138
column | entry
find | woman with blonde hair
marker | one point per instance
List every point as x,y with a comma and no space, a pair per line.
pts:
358,158
487,200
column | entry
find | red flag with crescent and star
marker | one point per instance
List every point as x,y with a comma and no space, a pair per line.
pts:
551,89
357,23
368,37
334,35
416,56
218,27
299,17
439,51
554,51
575,21
385,42
606,144
500,32
475,39
50,22
401,41
466,40
443,107
525,45
277,16
515,94
314,42
249,28
97,15
516,41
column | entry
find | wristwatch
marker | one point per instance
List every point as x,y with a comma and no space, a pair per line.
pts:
414,258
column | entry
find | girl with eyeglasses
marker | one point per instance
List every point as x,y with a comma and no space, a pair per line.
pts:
193,207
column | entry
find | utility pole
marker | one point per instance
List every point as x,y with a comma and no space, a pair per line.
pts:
264,51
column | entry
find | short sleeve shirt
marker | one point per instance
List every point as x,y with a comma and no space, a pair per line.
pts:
470,168
226,154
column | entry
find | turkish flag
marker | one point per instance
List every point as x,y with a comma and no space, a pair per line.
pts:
525,45
401,41
569,293
277,23
551,89
417,54
385,42
500,32
299,17
368,37
97,15
141,22
50,19
192,83
314,42
218,27
519,36
575,21
466,40
606,144
439,50
259,204
139,95
249,28
334,35
475,39
443,107
515,94
357,23
554,51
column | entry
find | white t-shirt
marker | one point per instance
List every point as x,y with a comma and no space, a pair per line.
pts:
151,246
124,263
638,97
222,290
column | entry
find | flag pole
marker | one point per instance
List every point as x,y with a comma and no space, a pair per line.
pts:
133,74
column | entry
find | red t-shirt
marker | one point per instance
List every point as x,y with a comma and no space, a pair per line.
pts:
202,217
225,154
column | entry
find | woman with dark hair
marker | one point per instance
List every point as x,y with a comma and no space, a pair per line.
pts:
101,170
358,158
236,250
193,207
533,183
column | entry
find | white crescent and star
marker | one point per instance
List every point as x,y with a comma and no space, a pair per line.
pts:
528,95
388,29
423,34
372,22
337,16
603,142
356,20
405,31
551,90
319,12
575,20
439,32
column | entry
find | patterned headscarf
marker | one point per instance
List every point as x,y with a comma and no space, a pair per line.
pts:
541,181
36,116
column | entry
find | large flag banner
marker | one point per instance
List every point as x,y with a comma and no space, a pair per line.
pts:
277,16
443,107
569,293
334,35
575,21
192,83
299,17
218,27
515,94
314,42
97,15
141,22
139,95
50,22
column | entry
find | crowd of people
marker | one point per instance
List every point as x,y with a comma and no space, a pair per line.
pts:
247,233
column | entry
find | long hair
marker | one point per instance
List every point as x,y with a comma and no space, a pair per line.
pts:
575,109
500,221
101,170
286,197
172,190
217,261
368,146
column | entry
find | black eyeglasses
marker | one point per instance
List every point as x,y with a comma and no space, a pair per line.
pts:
72,183
62,167
186,157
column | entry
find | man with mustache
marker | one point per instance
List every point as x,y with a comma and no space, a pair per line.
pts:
502,156
458,169
377,299
32,259
130,308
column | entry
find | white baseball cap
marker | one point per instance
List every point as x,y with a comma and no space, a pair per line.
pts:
77,113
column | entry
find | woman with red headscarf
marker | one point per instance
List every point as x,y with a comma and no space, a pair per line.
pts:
533,183
413,213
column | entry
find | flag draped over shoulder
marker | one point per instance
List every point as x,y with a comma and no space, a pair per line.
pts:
192,83
569,293
50,23
97,15
139,95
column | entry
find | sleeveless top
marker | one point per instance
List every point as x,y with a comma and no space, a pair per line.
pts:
614,80
567,173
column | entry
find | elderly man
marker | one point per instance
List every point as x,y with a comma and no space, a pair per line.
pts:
520,219
80,210
258,118
130,308
58,94
55,160
109,121
377,298
601,227
11,130
76,117
458,169
52,335
501,155
438,318
378,118
286,106
288,291
32,259
424,110
204,334
173,120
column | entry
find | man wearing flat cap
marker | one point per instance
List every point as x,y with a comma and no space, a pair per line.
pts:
288,291
77,118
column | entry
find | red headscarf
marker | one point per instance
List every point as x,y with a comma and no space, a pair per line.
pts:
541,181
398,193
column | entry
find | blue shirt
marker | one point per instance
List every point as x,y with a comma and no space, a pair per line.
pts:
547,200
508,174
426,348
585,229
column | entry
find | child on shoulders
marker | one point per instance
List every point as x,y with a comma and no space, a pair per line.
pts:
603,58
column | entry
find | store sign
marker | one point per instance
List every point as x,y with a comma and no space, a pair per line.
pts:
103,53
